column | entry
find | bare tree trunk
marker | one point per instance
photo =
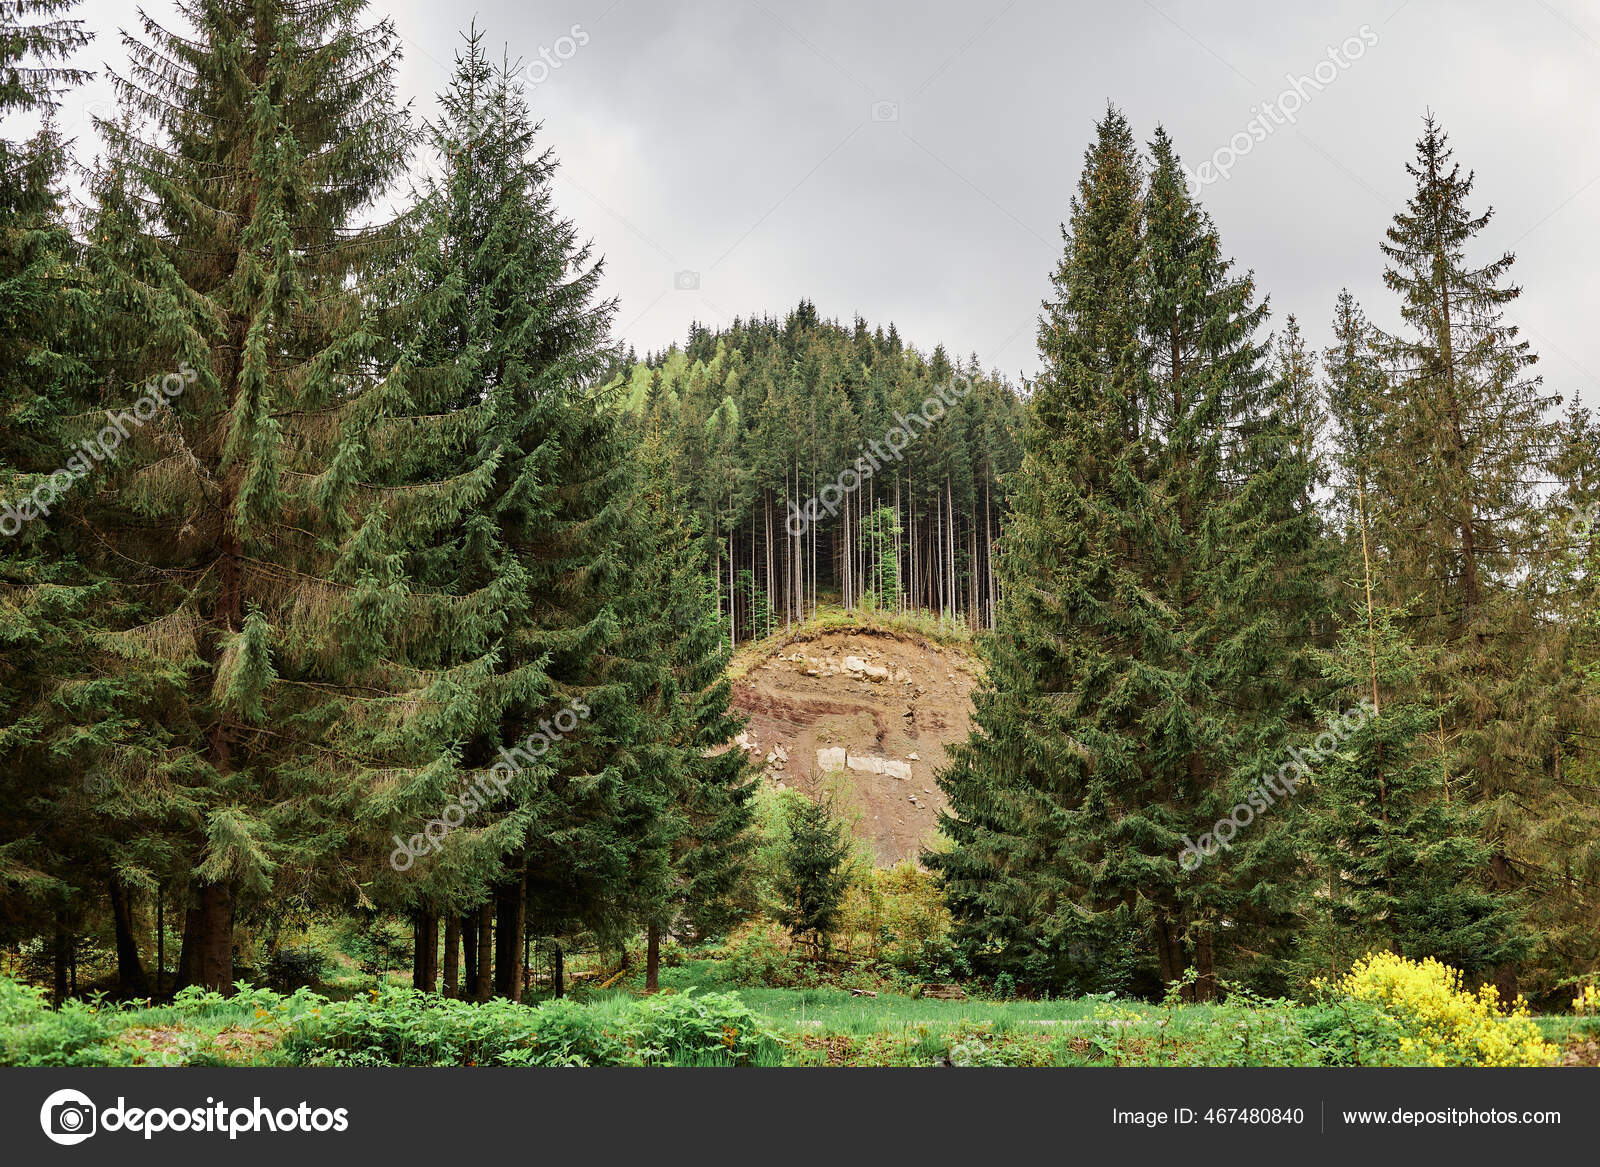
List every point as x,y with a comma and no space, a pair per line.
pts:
652,958
1205,985
216,938
131,981
511,903
469,954
161,934
988,527
483,983
189,950
425,952
950,539
452,955
62,959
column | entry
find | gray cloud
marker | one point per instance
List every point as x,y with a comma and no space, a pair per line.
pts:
738,139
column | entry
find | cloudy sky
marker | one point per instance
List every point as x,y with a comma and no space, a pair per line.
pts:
911,160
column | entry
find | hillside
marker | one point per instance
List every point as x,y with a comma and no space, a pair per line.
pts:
866,708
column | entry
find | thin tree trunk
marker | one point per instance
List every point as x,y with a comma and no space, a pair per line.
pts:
62,959
1205,985
652,958
988,527
469,955
161,934
558,979
483,983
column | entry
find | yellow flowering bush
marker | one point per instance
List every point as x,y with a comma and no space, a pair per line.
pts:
1441,1023
1587,1002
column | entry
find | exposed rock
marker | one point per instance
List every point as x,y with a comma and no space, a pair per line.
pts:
897,769
831,759
857,667
865,765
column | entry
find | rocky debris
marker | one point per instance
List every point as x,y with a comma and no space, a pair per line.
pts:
831,719
747,741
865,670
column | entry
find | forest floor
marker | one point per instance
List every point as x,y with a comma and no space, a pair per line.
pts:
863,709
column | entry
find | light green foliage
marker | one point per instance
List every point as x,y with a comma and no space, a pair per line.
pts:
404,1027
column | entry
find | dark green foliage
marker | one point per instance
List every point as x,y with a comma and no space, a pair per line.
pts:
1145,670
403,1027
815,872
1390,828
765,417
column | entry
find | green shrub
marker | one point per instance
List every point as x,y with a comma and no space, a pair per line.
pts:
297,965
759,957
33,1034
404,1027
675,1029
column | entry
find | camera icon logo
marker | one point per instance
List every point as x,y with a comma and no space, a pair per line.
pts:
885,111
686,281
68,1117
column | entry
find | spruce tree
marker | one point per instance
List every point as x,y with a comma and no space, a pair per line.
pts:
50,736
1395,845
502,333
1461,447
252,547
1058,703
1145,669
691,788
1231,555
815,873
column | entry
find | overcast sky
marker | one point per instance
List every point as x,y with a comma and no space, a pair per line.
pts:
912,160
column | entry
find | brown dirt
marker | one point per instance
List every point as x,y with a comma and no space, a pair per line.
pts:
910,715
234,1042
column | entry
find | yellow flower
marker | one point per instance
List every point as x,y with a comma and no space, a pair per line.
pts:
1447,1025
